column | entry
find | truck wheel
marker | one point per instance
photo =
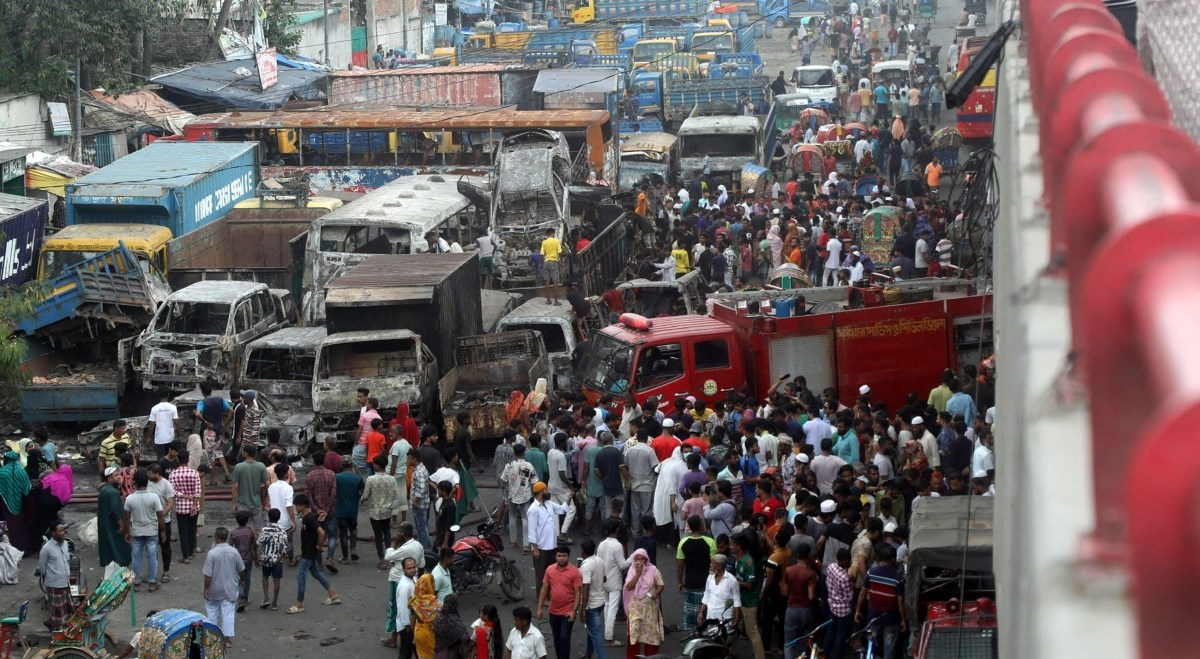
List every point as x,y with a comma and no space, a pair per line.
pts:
780,23
512,584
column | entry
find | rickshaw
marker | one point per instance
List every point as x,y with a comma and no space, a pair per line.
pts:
927,9
837,142
181,634
787,276
755,177
816,116
911,185
831,133
808,159
84,634
880,226
865,184
946,143
856,129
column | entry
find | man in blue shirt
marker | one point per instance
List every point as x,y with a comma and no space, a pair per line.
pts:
846,447
961,403
884,599
881,101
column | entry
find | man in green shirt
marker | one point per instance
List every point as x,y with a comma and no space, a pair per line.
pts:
536,457
940,395
249,485
746,572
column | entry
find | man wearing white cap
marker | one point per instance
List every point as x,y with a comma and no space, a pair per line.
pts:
856,267
928,442
666,443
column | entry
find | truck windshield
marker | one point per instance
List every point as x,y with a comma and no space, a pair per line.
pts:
193,318
819,78
719,146
644,52
55,262
368,359
713,43
606,366
280,364
552,334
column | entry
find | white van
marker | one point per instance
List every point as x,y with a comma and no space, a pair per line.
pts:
816,81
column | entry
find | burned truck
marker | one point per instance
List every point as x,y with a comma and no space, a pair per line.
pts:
394,364
528,193
488,368
200,332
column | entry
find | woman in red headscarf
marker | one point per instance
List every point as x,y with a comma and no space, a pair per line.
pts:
408,427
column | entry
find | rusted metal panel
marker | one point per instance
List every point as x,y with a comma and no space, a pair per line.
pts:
456,119
243,242
466,85
516,88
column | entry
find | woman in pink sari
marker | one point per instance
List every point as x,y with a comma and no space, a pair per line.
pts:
643,585
56,491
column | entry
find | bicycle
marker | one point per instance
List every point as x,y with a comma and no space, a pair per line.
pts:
814,650
865,648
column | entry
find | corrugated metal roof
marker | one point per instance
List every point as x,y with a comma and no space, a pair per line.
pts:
431,70
552,81
419,202
166,164
400,270
13,204
386,119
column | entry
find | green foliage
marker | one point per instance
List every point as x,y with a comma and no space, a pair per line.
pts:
279,24
42,37
14,303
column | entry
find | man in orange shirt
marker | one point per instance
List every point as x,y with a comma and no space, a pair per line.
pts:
375,440
933,175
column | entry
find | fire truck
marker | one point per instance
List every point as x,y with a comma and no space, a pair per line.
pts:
865,337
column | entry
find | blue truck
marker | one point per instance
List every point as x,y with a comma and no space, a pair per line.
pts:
782,13
108,291
736,65
671,100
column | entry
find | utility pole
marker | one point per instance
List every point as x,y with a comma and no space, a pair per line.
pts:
325,22
78,109
404,25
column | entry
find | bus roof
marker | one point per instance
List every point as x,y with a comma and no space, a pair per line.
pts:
418,203
103,237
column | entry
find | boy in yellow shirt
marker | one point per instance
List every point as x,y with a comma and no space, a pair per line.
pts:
552,277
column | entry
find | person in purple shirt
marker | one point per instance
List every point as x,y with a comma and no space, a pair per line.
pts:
693,475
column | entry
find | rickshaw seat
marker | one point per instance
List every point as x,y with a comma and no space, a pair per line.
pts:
22,611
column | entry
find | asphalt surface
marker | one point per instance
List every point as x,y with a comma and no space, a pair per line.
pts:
355,627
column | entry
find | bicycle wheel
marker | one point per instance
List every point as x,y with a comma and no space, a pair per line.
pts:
71,653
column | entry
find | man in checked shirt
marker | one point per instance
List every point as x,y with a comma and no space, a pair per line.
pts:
188,504
840,598
321,485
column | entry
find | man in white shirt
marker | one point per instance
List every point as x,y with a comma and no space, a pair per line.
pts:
983,459
559,481
593,598
921,256
404,592
928,442
833,262
666,267
640,463
164,422
856,268
611,554
542,523
722,595
281,494
816,429
826,465
524,641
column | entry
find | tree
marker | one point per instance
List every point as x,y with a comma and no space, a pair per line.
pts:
42,39
15,301
279,24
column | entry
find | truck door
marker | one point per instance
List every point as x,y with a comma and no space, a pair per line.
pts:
712,374
659,371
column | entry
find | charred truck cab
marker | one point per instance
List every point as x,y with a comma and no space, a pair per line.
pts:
280,367
555,325
200,332
394,364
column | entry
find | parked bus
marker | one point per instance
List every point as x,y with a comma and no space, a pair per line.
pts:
366,148
976,115
393,219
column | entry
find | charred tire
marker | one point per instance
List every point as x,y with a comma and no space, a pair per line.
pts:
512,584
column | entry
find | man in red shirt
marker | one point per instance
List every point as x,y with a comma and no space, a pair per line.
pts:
562,585
375,440
766,503
665,444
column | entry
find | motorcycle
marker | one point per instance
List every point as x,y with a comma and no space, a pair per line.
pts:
478,562
77,580
711,641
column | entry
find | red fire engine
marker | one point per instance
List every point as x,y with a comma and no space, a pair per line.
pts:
893,348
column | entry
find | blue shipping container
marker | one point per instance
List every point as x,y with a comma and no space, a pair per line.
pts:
23,223
179,185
